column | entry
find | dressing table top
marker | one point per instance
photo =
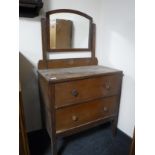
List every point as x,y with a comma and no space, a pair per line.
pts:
65,74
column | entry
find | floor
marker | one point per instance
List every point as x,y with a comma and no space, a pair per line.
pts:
96,141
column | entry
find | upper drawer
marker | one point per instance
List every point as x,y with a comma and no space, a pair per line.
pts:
87,89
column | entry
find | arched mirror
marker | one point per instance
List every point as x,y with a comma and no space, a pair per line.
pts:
68,30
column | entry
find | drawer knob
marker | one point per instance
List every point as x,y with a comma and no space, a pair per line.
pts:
105,109
74,118
75,92
107,86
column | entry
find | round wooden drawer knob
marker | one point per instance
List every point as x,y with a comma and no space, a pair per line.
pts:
74,118
105,109
75,92
107,86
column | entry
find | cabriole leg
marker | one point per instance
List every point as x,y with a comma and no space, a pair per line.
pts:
53,146
114,127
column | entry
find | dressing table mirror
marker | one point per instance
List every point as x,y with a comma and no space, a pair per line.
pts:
76,93
68,30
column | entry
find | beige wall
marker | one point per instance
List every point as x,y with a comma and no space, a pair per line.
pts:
117,36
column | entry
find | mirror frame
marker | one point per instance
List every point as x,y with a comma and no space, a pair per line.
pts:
90,38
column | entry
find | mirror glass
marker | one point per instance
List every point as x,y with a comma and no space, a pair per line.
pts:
68,31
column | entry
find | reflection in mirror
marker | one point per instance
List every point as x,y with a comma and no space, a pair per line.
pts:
69,31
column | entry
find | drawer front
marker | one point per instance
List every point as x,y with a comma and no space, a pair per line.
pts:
84,90
80,114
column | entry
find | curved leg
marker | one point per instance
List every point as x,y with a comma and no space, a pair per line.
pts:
114,127
53,146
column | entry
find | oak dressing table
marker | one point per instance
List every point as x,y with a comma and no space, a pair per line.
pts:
77,93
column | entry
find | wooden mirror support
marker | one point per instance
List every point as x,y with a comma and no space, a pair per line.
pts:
72,62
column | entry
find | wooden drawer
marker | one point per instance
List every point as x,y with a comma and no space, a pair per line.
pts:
83,113
87,89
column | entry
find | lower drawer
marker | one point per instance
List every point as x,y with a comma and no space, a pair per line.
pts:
83,113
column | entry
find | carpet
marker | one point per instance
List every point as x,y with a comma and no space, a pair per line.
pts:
96,141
